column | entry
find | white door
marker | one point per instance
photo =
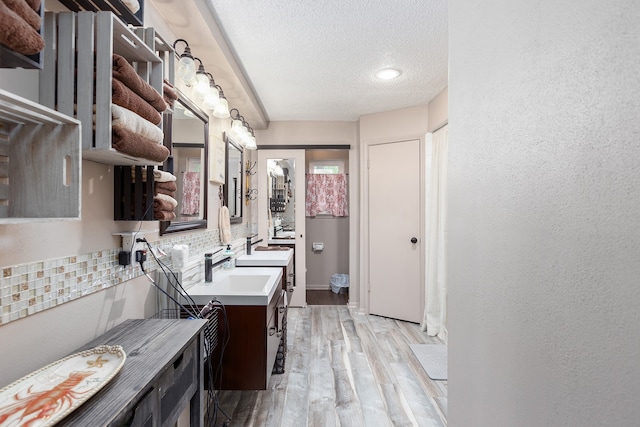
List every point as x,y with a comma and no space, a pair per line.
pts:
395,230
295,161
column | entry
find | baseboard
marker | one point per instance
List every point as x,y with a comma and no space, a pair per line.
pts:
318,287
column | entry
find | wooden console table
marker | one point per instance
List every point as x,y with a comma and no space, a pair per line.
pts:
163,373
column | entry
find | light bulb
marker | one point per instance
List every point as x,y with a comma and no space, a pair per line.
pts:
186,70
212,98
251,143
236,127
222,109
201,88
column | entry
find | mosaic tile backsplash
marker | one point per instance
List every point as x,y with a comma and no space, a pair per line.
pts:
29,288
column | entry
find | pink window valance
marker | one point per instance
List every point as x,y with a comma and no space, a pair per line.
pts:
327,194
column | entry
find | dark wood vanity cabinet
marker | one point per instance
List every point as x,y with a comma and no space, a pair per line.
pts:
254,333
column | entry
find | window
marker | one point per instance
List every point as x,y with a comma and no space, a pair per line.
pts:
327,167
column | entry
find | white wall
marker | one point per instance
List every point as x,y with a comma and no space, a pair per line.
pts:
544,229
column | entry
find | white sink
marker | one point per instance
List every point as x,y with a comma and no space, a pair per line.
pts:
265,258
239,286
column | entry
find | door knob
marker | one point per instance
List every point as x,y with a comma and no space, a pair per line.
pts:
414,240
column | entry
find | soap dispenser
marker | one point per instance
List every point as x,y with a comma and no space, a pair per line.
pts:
231,262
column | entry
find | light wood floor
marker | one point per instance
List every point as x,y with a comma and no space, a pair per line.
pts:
326,297
344,369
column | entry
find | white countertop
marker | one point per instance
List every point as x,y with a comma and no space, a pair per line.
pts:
268,258
239,286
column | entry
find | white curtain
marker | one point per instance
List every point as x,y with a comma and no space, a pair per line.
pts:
435,313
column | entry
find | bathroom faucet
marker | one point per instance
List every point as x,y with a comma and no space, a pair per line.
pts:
249,244
209,265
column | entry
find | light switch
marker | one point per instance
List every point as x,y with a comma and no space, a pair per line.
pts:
317,246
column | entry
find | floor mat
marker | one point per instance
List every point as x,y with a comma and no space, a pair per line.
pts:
433,358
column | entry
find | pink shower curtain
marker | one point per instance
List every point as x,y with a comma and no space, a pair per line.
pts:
190,193
327,194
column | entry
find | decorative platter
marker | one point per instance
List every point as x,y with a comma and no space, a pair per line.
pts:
47,395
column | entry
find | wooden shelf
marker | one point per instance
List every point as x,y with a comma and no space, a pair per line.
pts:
78,60
116,6
40,162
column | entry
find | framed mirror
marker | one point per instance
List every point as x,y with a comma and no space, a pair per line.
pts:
281,197
233,179
186,136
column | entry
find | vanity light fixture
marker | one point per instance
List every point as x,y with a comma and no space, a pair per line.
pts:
212,98
387,73
251,141
221,110
236,124
241,130
186,65
201,87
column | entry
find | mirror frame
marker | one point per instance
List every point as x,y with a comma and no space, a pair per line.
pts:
177,226
228,142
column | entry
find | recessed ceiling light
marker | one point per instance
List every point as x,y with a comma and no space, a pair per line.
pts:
387,73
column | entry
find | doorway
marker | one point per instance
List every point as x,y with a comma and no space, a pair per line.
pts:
327,225
394,233
281,206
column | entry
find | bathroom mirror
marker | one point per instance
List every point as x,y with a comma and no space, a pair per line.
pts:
186,136
233,179
281,194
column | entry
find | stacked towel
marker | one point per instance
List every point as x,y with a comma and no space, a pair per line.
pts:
16,32
136,145
24,11
164,207
125,73
168,188
132,122
123,96
162,176
169,93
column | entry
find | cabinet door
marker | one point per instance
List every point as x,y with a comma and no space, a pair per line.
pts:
144,414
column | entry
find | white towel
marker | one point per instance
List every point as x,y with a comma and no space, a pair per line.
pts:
225,225
136,124
162,176
132,5
166,198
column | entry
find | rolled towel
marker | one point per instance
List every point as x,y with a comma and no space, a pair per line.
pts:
137,146
17,34
169,186
163,197
125,72
162,176
164,215
162,205
169,94
136,124
169,91
132,5
24,11
123,96
34,4
164,191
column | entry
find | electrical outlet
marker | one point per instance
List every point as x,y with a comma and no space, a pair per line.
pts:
129,244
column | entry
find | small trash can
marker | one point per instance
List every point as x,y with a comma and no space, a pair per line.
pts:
340,283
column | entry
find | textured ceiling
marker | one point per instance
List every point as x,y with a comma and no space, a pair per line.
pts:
315,60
